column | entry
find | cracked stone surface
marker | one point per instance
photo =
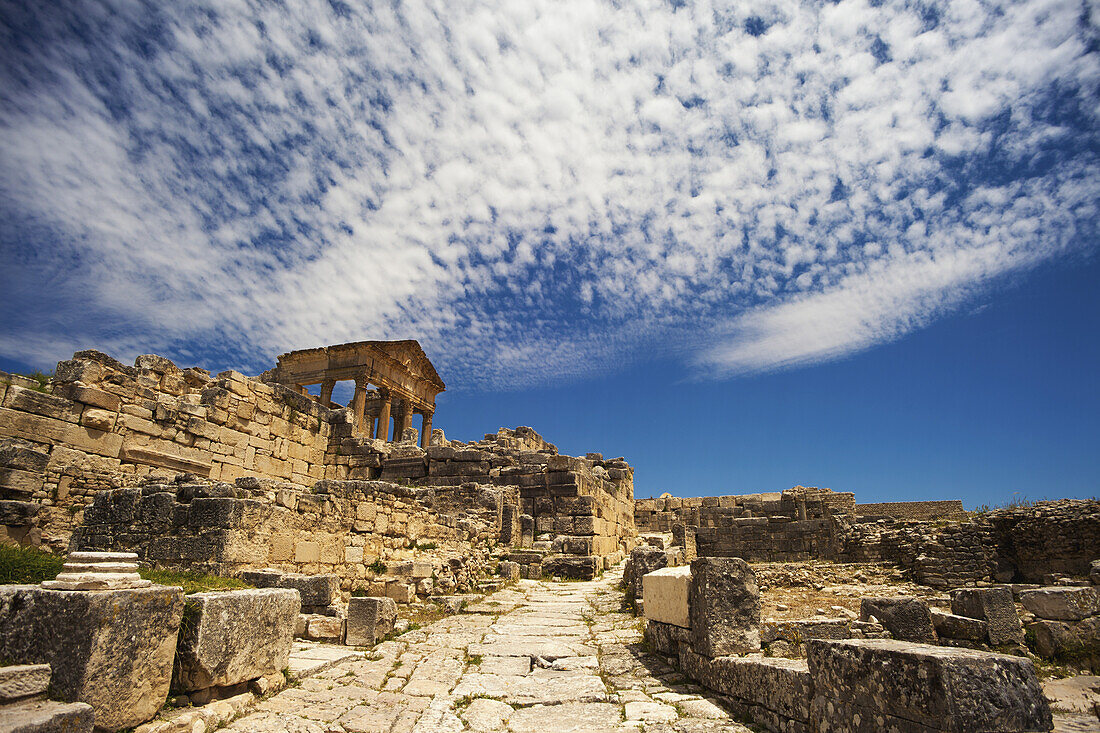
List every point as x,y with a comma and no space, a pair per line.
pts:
537,657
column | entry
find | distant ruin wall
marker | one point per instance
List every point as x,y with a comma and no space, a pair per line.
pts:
782,526
926,510
1019,544
800,502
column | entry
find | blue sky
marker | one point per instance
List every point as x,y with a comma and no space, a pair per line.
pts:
766,235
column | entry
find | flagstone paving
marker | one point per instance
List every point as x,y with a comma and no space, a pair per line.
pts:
540,657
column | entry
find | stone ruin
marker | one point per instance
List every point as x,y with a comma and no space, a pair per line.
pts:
227,472
342,515
1029,544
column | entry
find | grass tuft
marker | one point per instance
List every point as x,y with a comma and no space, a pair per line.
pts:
192,582
27,565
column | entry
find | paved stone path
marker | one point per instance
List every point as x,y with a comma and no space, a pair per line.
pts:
539,657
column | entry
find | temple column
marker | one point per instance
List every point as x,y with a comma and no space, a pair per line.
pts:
358,405
384,417
326,391
406,421
425,429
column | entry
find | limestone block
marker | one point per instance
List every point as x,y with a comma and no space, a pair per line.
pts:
994,606
1053,638
1062,603
950,626
314,590
905,618
420,569
798,631
665,595
23,680
369,620
325,628
22,458
111,649
98,419
46,716
234,636
13,480
91,396
401,592
643,560
307,552
781,687
724,607
44,429
895,686
509,570
41,403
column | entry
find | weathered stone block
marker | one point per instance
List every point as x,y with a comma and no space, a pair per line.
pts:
907,619
994,606
768,688
665,595
110,649
1062,603
509,570
40,403
950,626
47,716
315,590
724,607
21,457
234,636
325,628
572,567
23,680
884,685
401,592
369,619
643,560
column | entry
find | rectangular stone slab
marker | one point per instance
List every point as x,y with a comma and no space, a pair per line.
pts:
369,619
234,636
865,685
111,649
665,595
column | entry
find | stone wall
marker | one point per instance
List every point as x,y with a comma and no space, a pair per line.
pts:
925,510
1017,544
337,527
790,525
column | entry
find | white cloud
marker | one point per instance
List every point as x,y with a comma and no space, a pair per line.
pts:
535,190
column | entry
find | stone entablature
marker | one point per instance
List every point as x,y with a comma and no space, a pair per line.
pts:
405,380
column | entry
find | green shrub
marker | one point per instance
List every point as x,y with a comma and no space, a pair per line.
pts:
377,567
27,565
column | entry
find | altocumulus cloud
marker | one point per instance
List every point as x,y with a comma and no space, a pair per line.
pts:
536,190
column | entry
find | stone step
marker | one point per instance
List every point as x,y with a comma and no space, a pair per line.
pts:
41,716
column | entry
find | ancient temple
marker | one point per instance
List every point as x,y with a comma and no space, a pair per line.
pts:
392,379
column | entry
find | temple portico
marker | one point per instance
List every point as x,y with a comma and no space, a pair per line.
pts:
393,379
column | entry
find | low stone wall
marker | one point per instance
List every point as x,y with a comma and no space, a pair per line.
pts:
923,510
337,527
